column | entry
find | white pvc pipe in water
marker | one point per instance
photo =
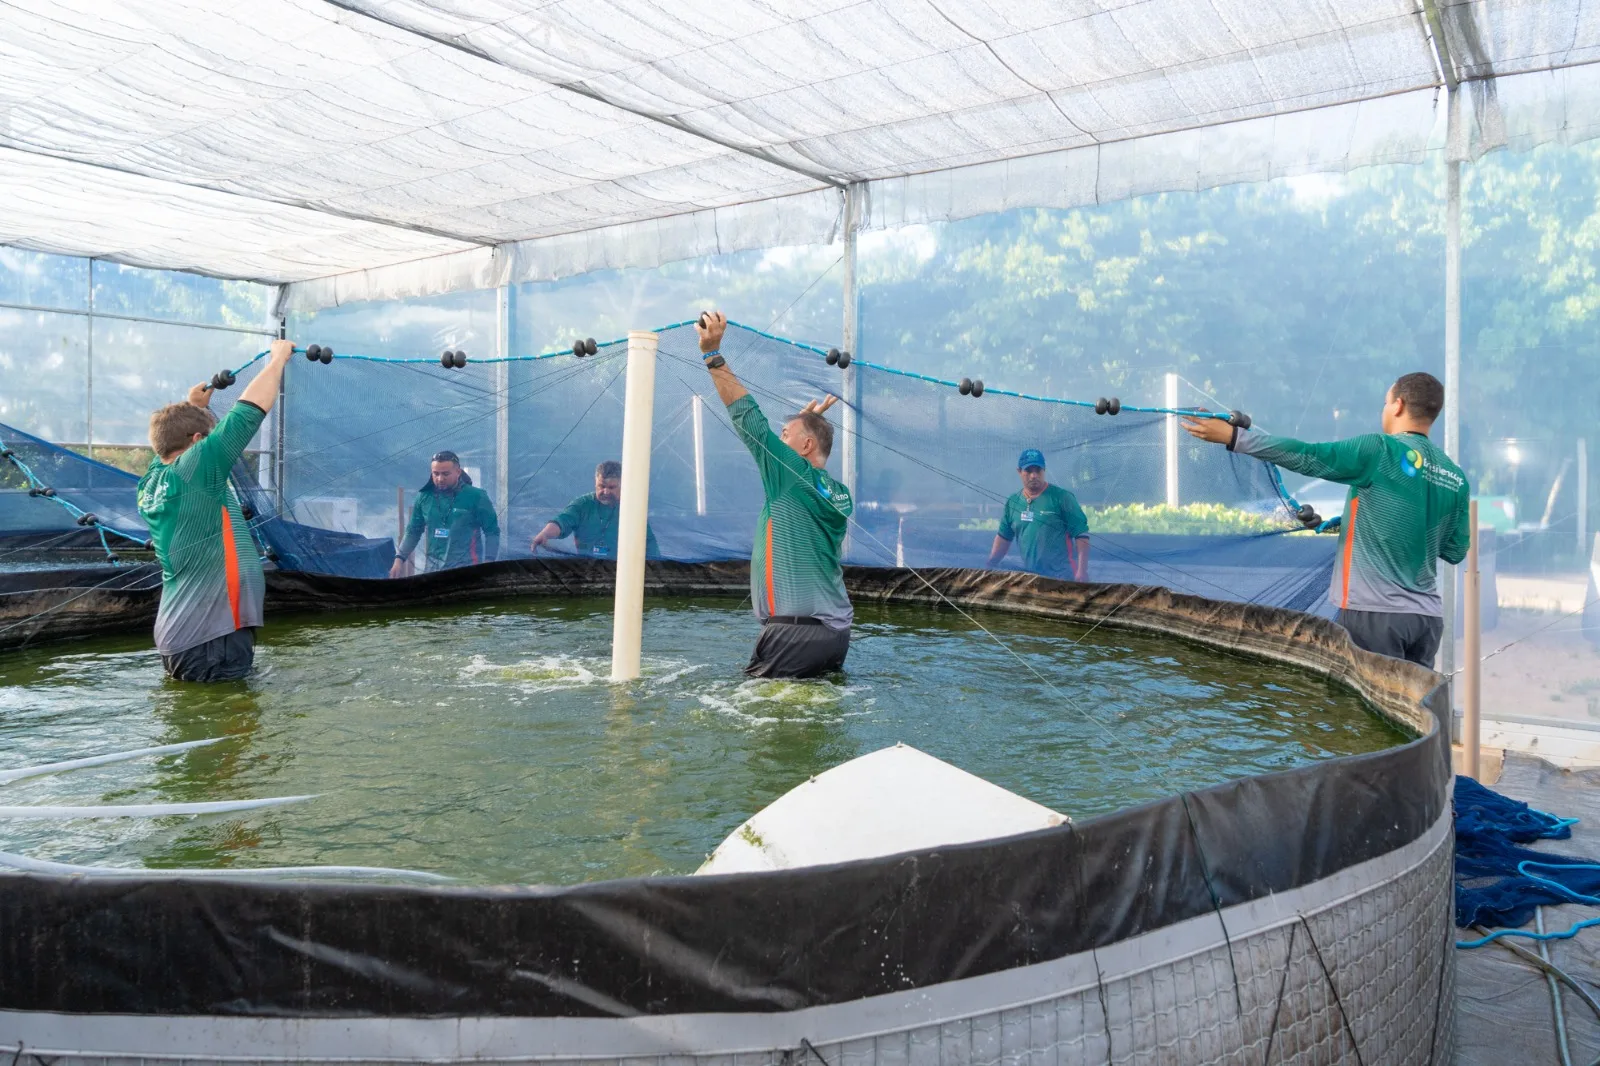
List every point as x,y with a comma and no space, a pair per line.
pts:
144,810
8,776
638,414
699,412
23,864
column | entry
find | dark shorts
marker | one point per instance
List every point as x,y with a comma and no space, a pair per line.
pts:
226,658
798,648
1414,637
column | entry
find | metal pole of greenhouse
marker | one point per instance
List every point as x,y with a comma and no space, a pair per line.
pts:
1172,441
1452,362
502,409
638,413
850,391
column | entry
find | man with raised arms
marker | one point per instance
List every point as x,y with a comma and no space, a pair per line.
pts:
796,580
1406,510
591,519
211,582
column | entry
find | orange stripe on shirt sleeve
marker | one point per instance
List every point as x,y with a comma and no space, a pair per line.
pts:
1349,550
772,599
230,564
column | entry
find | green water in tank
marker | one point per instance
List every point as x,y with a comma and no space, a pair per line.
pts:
487,744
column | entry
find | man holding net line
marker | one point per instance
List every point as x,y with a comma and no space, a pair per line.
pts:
796,580
1407,508
212,586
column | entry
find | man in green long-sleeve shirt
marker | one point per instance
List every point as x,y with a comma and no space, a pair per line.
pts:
453,518
212,587
591,519
796,580
1406,510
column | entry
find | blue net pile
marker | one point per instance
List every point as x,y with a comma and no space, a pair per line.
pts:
1499,882
935,462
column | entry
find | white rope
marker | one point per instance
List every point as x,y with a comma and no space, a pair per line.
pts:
144,810
22,863
8,776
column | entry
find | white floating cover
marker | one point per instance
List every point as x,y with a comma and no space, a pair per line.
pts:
893,800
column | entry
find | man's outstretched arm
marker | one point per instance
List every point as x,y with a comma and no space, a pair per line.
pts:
1347,462
215,455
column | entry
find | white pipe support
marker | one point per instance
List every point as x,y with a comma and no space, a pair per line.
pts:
638,416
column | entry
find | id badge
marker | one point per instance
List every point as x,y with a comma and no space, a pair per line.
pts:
1026,516
441,532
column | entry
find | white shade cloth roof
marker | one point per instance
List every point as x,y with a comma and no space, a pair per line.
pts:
414,145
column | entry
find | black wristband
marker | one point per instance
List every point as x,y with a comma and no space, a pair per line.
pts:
715,361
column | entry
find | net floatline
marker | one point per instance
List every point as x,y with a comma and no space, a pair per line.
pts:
88,519
974,388
966,386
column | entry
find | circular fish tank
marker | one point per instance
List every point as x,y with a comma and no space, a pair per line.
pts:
1254,849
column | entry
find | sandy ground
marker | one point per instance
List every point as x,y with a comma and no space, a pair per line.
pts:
1538,662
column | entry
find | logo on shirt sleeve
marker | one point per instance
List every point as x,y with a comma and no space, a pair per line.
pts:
832,491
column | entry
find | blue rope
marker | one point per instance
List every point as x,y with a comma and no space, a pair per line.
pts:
1553,830
1568,934
801,345
36,488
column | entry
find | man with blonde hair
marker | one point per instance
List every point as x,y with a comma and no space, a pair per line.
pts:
211,581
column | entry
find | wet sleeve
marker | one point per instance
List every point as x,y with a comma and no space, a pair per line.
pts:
211,461
1007,530
568,520
1077,521
1458,537
775,460
1347,462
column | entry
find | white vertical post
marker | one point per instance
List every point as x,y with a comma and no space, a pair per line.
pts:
1172,441
850,393
281,429
1452,358
1471,652
698,410
1583,497
638,415
502,411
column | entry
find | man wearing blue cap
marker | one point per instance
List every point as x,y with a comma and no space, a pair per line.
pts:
1046,521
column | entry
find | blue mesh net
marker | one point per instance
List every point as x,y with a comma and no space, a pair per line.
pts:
932,462
1499,882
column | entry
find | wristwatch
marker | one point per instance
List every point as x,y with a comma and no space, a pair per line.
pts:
714,359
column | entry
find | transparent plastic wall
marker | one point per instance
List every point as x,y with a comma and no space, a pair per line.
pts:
548,423
794,292
1300,301
88,350
1530,423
